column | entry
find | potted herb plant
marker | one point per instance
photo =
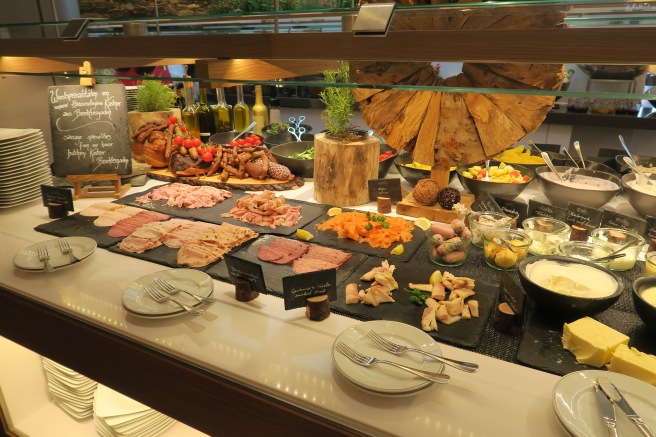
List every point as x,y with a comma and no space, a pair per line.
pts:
345,158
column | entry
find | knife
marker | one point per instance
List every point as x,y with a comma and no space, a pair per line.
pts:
616,397
607,411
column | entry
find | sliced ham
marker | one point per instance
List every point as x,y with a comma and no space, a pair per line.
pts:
109,218
334,256
265,209
265,253
126,226
98,208
134,244
186,196
306,265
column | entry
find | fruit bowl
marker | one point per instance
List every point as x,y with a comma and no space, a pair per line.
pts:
411,171
506,190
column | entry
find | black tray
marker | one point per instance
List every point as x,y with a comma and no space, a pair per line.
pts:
77,225
330,238
273,273
465,333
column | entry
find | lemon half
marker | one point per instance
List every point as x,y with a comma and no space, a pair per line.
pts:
435,278
334,211
304,235
423,223
398,250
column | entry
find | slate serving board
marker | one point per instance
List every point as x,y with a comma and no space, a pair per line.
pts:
465,333
273,273
330,238
77,225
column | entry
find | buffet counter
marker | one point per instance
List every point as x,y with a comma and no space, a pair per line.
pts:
241,367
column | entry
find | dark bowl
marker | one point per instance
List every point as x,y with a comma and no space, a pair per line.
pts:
590,165
645,310
226,137
644,203
645,161
496,189
558,304
560,195
283,138
411,174
384,166
299,167
266,130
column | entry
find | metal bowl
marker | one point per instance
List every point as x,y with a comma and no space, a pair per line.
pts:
226,137
266,129
299,167
413,174
590,165
645,161
285,137
496,189
644,203
560,195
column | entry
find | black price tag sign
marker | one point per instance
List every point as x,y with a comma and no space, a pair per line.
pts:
583,216
513,295
539,209
485,202
249,271
297,288
513,208
612,219
385,188
651,228
57,196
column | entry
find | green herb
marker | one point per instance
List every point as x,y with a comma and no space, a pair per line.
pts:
306,154
385,225
339,103
368,227
153,96
277,128
416,297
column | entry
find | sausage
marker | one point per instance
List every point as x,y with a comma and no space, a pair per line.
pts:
453,257
443,229
458,225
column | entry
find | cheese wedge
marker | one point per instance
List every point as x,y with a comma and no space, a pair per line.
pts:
630,361
591,342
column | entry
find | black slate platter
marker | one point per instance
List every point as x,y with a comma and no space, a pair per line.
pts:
330,238
465,333
309,212
541,347
77,225
273,273
164,255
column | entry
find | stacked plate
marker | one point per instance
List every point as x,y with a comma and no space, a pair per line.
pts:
24,166
117,415
72,391
381,379
28,258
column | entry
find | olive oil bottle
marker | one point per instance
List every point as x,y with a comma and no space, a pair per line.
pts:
260,112
189,115
222,112
241,112
205,118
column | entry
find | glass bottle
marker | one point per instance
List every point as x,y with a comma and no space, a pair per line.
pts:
189,115
205,118
222,112
274,107
260,112
240,112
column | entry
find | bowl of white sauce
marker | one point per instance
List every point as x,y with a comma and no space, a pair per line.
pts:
644,299
586,187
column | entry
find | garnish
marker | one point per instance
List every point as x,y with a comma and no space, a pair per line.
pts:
416,296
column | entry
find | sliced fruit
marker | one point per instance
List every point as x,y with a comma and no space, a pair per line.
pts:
304,235
398,250
423,223
334,211
436,277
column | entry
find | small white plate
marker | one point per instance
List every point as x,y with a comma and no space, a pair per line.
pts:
576,405
28,258
383,378
136,300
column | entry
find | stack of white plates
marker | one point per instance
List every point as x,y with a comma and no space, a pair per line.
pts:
24,166
71,391
117,415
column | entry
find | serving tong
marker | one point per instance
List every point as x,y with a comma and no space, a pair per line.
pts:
296,129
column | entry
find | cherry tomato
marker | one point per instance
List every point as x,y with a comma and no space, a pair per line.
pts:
207,157
234,143
188,143
197,142
212,150
257,142
200,150
241,142
173,119
183,128
178,140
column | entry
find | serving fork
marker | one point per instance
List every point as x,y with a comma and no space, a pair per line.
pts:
397,349
66,249
171,289
160,297
44,257
367,361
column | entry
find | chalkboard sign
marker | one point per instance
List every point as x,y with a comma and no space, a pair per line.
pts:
242,269
385,188
583,216
539,209
485,202
612,219
513,208
513,295
297,288
89,130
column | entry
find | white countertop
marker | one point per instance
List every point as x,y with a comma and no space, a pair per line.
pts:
279,352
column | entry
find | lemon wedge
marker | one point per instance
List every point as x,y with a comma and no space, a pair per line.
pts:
423,223
398,250
435,278
304,235
334,211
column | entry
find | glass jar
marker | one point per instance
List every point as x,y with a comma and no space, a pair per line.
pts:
615,239
481,221
650,264
547,234
505,248
447,253
585,251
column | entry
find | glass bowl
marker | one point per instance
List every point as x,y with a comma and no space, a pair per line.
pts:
481,221
505,248
447,253
614,239
547,234
650,264
585,251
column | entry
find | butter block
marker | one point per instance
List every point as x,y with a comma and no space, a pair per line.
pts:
592,342
631,362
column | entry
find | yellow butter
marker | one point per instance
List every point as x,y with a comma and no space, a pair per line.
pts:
630,361
591,342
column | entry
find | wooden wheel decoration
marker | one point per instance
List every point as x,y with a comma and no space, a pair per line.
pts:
447,129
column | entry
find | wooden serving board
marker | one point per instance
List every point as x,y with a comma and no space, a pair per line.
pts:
247,184
409,206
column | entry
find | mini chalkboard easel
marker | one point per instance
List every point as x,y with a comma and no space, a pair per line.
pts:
116,190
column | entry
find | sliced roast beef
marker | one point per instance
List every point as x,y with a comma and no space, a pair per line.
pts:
305,265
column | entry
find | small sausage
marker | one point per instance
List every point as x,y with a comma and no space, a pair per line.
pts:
443,229
453,257
465,234
457,225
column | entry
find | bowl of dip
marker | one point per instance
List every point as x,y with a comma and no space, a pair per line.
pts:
569,286
481,221
586,187
641,194
644,300
646,163
614,239
547,234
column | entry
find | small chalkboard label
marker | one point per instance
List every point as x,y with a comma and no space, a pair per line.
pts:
89,130
297,288
583,216
513,208
246,270
385,188
539,209
612,219
512,294
485,202
58,196
651,228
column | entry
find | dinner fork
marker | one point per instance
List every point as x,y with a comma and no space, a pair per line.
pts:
367,361
171,289
396,349
66,249
160,297
44,257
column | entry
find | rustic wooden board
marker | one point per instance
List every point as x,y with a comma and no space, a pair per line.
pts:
247,184
409,206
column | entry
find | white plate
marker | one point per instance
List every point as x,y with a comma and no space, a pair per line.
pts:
28,259
136,300
383,378
575,403
9,134
9,149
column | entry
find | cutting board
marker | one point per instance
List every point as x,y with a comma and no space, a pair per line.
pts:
409,206
246,184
